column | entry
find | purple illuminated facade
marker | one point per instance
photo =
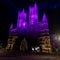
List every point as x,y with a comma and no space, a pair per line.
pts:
21,22
33,25
31,30
33,14
11,27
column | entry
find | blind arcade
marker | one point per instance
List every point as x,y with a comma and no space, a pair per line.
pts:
44,44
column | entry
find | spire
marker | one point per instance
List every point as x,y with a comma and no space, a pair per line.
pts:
11,26
35,5
44,18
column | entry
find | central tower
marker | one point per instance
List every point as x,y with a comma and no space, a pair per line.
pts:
33,14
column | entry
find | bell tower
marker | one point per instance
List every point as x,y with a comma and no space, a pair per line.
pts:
44,39
33,14
21,18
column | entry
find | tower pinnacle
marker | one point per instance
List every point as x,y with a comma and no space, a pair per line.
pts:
44,18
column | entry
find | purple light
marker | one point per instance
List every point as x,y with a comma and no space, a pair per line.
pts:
44,19
21,18
33,25
19,24
35,5
22,15
24,24
11,26
44,22
33,14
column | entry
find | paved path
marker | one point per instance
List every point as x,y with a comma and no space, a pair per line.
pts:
31,57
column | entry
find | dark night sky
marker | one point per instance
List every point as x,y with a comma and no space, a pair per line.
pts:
9,9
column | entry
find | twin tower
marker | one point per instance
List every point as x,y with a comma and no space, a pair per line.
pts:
32,19
33,16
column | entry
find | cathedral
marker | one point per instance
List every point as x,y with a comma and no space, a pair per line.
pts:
32,35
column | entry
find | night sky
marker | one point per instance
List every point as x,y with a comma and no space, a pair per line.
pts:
9,10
